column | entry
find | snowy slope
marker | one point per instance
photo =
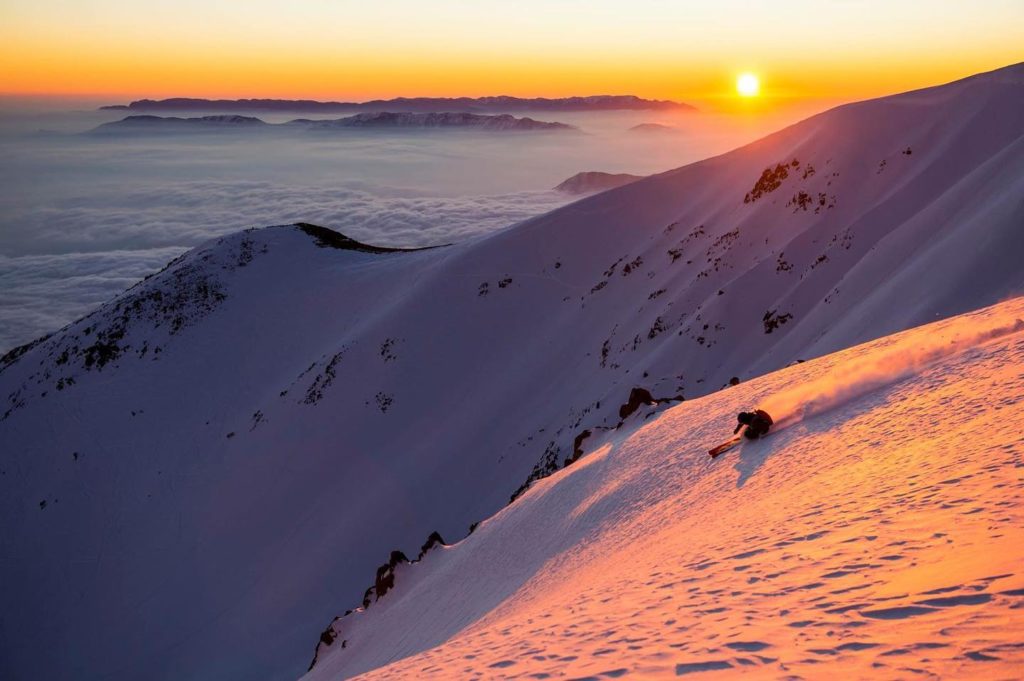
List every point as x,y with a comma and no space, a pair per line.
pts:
199,476
879,535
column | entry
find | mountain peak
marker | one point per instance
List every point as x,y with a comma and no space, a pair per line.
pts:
589,182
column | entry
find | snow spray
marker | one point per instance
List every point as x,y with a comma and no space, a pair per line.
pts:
908,356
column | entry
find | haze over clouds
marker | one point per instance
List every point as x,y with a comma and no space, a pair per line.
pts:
188,212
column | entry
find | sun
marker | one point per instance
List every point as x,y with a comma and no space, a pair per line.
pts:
747,85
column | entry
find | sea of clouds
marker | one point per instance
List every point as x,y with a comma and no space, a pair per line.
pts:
100,245
83,217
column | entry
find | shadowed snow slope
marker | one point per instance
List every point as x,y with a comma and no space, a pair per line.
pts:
881,538
198,476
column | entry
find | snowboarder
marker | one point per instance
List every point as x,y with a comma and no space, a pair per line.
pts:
758,422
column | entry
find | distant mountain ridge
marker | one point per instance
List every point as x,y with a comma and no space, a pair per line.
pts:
149,121
383,119
653,128
410,104
389,119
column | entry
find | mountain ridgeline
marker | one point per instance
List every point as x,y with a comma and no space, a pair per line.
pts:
593,181
378,120
198,476
411,104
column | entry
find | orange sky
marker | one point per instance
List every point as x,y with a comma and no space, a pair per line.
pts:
337,49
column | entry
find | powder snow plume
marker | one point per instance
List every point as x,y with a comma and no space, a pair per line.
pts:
908,356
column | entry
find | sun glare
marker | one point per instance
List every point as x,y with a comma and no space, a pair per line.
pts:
747,85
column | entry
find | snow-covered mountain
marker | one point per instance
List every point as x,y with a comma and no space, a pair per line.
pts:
861,537
200,475
592,181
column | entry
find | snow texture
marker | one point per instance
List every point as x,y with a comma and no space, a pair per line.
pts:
879,539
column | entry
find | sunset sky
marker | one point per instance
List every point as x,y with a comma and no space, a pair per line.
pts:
352,49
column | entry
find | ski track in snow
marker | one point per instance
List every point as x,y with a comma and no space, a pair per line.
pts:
866,542
904,358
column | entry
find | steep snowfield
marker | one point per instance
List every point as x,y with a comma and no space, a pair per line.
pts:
879,535
198,476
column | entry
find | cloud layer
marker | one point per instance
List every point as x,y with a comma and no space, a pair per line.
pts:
102,243
44,292
82,217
